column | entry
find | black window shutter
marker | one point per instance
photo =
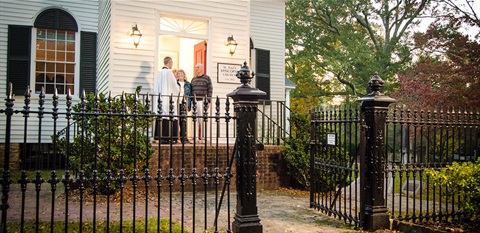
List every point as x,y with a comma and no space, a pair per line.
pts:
18,57
56,19
262,65
88,61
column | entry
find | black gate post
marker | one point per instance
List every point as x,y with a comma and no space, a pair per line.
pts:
6,180
373,212
245,101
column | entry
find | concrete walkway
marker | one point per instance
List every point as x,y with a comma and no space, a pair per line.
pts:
280,211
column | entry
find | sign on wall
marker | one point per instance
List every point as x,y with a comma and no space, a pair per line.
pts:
226,73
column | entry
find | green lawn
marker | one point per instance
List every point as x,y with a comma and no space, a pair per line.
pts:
15,175
101,226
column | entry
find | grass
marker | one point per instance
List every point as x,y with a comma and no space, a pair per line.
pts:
429,190
101,226
15,175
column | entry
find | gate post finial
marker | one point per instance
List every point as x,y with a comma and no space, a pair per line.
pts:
245,101
374,107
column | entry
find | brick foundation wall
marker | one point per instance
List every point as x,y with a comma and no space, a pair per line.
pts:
14,156
271,172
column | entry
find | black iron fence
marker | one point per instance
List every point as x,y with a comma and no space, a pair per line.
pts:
101,175
421,140
369,162
335,170
107,174
272,129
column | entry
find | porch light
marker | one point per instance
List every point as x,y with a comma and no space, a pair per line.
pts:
136,35
232,45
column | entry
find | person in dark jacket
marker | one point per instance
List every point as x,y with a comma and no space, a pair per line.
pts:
201,88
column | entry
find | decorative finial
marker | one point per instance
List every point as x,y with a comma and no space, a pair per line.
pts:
244,74
376,85
10,91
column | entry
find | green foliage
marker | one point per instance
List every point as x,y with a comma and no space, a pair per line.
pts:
297,150
462,179
101,226
297,154
112,135
334,47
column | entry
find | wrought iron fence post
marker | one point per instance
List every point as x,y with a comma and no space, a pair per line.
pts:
373,212
6,180
245,104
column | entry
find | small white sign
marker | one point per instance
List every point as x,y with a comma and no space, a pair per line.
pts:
331,139
227,73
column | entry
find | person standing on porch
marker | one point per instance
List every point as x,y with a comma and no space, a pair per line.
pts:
166,85
201,88
185,91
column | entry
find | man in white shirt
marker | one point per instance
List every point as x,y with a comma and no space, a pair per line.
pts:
166,86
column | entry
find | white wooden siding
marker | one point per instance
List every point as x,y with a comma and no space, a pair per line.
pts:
131,67
24,12
103,46
122,67
267,31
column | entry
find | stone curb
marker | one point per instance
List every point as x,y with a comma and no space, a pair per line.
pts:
408,227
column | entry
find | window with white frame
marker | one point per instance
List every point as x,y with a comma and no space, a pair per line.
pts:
53,54
55,61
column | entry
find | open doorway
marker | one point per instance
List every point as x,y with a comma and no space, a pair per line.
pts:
185,53
181,50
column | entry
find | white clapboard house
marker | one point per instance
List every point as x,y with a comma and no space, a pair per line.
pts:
75,45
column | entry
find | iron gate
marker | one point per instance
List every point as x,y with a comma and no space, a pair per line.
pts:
413,142
335,187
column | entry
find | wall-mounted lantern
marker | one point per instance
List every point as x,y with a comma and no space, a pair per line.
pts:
136,35
232,45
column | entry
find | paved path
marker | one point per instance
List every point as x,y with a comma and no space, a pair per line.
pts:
280,211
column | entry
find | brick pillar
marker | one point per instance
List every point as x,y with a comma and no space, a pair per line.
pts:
373,212
245,104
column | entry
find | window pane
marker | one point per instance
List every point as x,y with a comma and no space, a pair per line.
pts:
70,79
40,78
61,46
198,27
59,79
60,36
70,68
70,46
50,56
60,56
70,57
50,88
50,34
50,77
50,44
60,68
61,89
38,88
40,44
41,33
50,67
70,36
40,55
40,66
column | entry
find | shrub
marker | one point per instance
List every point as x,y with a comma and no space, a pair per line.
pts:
297,154
110,136
461,179
297,150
